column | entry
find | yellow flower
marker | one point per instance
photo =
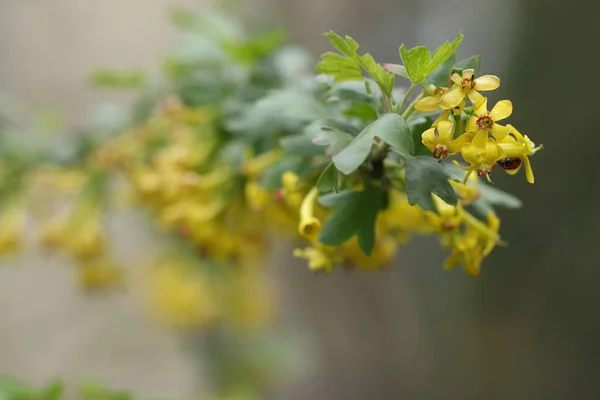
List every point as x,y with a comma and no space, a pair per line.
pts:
467,193
440,140
100,273
517,148
179,297
481,154
471,247
257,197
430,103
467,86
319,257
448,217
484,122
384,251
309,226
12,223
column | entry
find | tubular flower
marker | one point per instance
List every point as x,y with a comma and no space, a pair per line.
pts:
484,122
320,258
481,154
466,85
449,217
467,193
309,226
471,247
517,148
440,140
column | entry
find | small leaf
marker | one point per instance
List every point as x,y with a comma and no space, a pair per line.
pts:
396,69
416,61
335,140
389,127
347,46
340,67
469,63
329,180
424,176
354,213
440,76
444,52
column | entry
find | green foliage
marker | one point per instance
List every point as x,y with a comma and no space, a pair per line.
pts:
391,128
348,65
490,197
119,79
13,389
354,213
329,180
334,139
440,76
424,176
420,63
473,62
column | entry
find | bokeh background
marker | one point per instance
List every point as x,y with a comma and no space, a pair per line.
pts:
527,328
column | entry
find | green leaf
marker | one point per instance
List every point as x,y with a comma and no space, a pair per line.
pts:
271,176
497,197
340,67
424,176
419,62
396,69
354,213
347,46
300,145
336,140
329,180
444,52
118,79
352,91
364,112
416,61
469,63
390,127
348,68
384,78
417,127
440,76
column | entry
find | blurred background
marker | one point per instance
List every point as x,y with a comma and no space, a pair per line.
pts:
527,328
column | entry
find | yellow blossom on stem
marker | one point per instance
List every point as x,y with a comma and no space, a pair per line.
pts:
320,257
466,85
484,121
309,225
482,153
517,148
440,140
430,103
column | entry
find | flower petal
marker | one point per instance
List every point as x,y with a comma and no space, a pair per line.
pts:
480,139
501,110
468,73
446,131
528,170
429,139
472,125
481,108
499,132
456,78
476,98
487,82
427,103
456,145
452,98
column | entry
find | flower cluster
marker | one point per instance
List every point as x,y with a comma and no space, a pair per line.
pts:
481,141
